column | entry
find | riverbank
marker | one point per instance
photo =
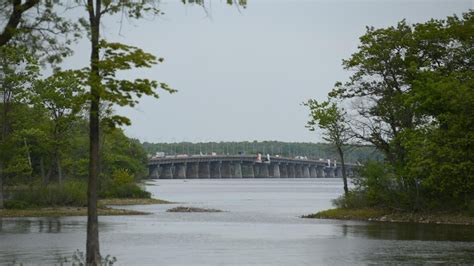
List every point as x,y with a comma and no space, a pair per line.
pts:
102,209
381,215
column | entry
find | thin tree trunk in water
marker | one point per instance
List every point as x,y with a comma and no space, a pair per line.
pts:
92,245
343,166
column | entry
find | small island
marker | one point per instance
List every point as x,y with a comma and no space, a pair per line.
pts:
191,209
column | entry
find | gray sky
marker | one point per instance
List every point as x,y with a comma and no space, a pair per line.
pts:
243,75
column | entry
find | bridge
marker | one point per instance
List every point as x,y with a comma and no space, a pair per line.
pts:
241,166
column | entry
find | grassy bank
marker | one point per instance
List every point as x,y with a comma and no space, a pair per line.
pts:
64,211
381,215
82,211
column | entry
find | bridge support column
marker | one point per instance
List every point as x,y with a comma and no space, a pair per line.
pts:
247,170
275,170
153,171
291,170
299,171
320,172
262,170
312,172
204,170
166,171
338,172
329,172
237,170
306,173
180,171
226,171
283,170
192,170
215,169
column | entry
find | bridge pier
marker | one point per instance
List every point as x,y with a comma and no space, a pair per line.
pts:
312,172
329,172
275,170
153,171
306,173
180,171
262,170
215,169
320,172
237,170
166,171
299,171
204,170
283,170
226,171
291,170
247,170
192,170
338,172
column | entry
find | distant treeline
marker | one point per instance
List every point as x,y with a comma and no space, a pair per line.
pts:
285,149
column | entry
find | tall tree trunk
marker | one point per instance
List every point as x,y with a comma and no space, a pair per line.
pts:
343,166
92,245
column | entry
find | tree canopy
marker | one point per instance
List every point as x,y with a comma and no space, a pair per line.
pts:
412,91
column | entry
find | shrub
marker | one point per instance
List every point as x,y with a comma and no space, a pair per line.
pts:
470,208
352,200
130,190
122,177
121,185
16,204
70,193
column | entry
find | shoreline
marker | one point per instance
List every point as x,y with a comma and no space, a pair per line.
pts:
102,209
381,215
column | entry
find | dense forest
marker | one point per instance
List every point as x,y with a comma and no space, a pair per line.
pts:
286,149
44,134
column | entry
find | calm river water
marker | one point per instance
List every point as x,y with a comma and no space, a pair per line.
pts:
260,226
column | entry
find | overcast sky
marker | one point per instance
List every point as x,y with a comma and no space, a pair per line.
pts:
242,75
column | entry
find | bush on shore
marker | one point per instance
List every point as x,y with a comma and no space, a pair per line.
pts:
70,193
379,187
74,192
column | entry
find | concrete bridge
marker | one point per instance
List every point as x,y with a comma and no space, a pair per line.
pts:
241,166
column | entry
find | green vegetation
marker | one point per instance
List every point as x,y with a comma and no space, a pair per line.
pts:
385,215
355,153
333,120
67,97
44,140
412,92
73,193
64,211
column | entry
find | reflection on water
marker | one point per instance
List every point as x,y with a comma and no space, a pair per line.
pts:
43,225
261,226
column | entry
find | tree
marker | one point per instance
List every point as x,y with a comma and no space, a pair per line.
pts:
101,79
412,90
61,96
36,24
17,71
332,120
